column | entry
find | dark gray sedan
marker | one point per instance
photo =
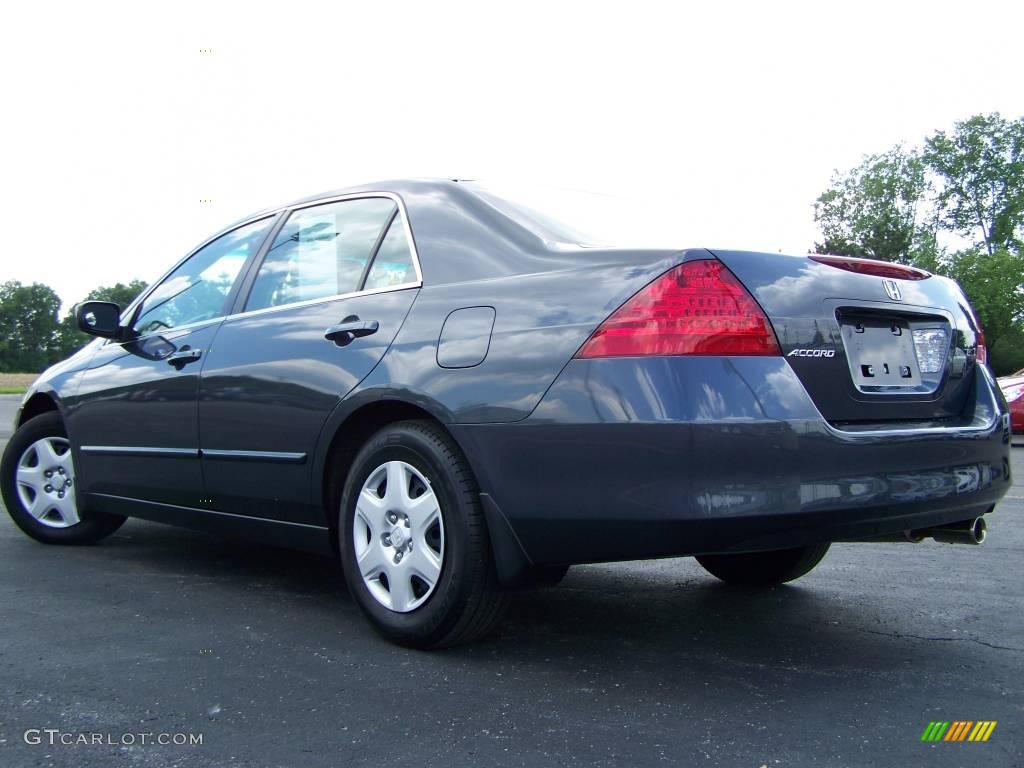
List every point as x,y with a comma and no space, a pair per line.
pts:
451,392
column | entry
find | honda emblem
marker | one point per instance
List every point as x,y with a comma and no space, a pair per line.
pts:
892,289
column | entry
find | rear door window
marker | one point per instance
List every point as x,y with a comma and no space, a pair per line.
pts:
393,265
321,251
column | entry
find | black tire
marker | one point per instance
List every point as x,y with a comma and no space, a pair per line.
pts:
91,527
466,601
764,569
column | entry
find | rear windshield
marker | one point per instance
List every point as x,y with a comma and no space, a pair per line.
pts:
550,227
580,217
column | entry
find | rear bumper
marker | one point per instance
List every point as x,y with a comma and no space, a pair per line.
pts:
653,457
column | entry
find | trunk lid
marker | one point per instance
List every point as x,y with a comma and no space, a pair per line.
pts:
867,348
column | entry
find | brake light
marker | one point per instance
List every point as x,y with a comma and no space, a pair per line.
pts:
697,308
981,353
872,267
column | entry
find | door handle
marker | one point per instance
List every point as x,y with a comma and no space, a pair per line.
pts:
350,328
183,357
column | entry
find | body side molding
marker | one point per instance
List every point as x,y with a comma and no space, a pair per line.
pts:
209,453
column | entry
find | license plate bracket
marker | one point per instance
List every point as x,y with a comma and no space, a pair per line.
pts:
881,354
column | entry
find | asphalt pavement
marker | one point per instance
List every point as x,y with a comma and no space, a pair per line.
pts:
262,654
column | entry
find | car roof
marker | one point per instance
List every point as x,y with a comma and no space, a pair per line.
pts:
393,186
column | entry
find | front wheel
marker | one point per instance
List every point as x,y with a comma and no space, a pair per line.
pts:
414,545
763,569
38,482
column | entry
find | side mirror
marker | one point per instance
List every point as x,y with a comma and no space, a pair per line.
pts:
99,318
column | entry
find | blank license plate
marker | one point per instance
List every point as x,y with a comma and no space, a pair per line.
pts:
881,353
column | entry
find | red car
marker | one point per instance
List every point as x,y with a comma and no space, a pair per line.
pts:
1013,391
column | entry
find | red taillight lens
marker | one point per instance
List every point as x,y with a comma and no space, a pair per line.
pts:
697,308
982,350
872,267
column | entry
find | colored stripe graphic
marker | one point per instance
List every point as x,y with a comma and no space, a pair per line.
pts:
958,730
982,730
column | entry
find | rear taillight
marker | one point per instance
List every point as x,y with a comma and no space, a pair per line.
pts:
981,353
872,267
697,308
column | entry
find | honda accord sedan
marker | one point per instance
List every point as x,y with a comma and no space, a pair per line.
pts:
457,397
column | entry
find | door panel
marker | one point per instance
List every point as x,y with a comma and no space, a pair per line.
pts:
134,419
269,384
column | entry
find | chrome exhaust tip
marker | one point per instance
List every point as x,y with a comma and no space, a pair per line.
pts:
972,531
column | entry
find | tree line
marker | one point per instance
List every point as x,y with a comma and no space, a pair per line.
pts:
953,205
32,336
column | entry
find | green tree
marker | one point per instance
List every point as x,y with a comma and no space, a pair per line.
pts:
995,286
968,182
1007,355
981,168
122,294
29,334
876,210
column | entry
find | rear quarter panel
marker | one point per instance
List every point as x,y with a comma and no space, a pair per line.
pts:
540,320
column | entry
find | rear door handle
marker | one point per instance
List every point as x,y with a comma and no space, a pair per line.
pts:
183,357
350,328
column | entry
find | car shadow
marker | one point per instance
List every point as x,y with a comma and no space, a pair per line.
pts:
227,561
663,615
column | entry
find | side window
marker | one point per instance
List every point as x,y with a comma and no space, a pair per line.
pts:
321,251
197,289
393,263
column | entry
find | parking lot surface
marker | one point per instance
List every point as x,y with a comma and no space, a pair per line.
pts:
262,652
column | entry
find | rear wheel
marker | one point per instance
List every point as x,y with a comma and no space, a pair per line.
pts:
414,544
763,569
37,478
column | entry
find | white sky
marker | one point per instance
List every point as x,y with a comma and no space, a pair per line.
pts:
733,115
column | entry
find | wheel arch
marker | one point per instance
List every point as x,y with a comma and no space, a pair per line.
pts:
38,404
349,434
344,435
